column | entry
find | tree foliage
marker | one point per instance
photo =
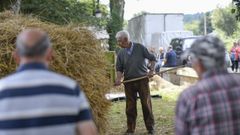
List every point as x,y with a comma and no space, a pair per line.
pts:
14,5
208,23
63,11
139,13
116,22
193,26
5,4
224,20
74,11
197,24
236,9
189,18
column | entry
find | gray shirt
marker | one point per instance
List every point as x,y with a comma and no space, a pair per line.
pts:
134,65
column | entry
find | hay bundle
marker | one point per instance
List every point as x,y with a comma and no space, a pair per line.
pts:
187,71
158,83
77,54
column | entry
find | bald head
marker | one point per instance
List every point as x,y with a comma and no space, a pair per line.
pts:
32,43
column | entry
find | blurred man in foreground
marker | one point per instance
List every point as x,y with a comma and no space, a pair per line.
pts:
36,101
211,106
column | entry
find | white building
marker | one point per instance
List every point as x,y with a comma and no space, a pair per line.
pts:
156,29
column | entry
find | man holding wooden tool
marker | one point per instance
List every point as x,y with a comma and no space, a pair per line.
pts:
131,64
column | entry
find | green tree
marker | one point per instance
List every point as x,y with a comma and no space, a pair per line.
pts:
196,25
224,20
193,26
209,24
140,13
236,9
13,5
116,22
5,4
188,18
62,11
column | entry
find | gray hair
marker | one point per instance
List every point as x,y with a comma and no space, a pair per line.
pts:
210,51
123,34
37,49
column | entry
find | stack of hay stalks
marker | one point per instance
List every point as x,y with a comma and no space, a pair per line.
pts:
77,54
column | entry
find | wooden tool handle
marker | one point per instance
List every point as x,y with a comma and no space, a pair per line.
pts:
139,78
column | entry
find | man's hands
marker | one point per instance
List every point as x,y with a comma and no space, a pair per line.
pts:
86,128
152,67
118,79
117,82
150,73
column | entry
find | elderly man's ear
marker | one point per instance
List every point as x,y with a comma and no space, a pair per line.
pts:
198,67
16,56
49,55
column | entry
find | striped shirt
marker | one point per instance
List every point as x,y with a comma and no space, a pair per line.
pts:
36,101
211,107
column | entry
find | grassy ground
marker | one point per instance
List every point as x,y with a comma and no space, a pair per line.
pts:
163,112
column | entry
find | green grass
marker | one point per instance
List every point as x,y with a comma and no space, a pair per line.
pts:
163,112
168,94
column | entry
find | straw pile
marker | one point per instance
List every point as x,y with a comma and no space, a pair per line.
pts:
77,54
166,89
187,71
158,83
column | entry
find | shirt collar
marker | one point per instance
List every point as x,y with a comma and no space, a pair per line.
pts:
214,72
33,65
129,50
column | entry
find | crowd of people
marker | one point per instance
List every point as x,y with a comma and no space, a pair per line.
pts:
37,101
165,59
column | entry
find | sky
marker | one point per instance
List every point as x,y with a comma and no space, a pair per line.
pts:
170,6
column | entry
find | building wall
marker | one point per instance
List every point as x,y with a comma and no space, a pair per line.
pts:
174,23
158,23
136,29
147,28
154,25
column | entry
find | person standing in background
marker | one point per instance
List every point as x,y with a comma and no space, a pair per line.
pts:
160,59
131,64
152,51
238,52
171,58
235,56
